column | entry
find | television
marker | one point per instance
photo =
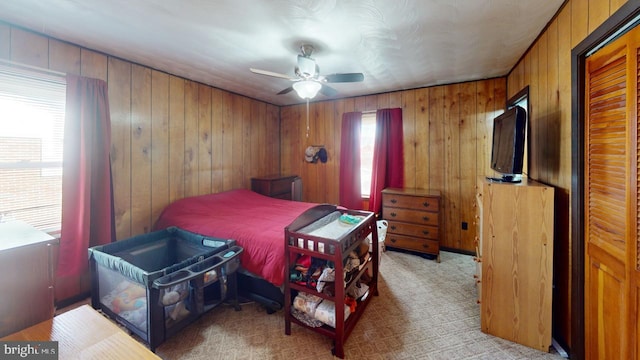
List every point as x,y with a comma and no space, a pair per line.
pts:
507,148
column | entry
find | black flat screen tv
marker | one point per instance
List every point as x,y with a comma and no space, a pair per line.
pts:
507,149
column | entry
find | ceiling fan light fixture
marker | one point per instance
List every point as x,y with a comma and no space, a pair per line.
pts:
307,89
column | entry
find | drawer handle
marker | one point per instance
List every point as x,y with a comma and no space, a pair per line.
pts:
393,240
426,204
393,201
393,227
426,232
426,246
425,218
393,214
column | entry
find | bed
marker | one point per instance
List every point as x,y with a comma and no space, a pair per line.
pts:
256,222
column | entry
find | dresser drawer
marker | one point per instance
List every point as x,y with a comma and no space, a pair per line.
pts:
412,243
411,202
423,231
412,216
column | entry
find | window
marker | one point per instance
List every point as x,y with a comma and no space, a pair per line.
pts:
32,105
367,141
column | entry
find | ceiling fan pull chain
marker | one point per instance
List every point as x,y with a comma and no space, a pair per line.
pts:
307,117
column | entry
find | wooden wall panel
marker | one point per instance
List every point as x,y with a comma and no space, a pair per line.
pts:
451,169
93,64
120,111
436,138
64,57
409,134
579,20
159,142
191,138
176,138
445,127
140,149
598,13
421,139
205,151
468,166
29,48
217,135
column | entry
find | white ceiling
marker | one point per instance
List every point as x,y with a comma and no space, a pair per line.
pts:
396,44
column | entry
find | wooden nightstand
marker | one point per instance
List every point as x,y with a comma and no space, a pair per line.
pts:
281,187
414,220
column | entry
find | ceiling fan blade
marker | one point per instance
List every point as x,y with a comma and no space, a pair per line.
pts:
271,73
328,90
286,91
348,77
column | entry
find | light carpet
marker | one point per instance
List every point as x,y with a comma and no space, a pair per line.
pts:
425,310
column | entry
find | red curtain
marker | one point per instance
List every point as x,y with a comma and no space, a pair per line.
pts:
350,194
388,159
87,201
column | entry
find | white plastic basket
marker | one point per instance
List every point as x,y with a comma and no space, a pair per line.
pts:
382,234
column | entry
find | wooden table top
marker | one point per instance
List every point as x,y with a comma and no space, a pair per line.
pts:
83,333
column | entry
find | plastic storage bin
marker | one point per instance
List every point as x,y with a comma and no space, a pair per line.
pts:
154,284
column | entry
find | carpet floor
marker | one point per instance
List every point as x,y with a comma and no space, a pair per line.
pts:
425,310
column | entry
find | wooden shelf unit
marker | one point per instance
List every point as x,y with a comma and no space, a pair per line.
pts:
516,261
335,251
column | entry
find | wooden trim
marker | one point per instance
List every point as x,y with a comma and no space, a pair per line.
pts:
578,55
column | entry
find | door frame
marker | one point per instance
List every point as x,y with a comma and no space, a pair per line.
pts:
627,13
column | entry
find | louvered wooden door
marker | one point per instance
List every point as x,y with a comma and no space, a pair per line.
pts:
611,200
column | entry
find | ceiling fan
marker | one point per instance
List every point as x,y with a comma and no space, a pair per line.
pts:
308,81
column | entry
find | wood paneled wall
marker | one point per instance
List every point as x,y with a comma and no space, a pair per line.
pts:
447,134
171,137
546,69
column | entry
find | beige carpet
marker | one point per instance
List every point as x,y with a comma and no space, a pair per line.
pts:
425,310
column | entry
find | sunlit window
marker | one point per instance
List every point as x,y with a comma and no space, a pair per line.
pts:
31,141
367,140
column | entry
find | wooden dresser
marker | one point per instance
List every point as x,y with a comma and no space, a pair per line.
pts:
26,265
414,220
515,261
281,187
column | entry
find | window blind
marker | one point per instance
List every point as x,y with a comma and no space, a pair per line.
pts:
32,111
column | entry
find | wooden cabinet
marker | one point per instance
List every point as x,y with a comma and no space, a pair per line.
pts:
516,260
414,220
281,187
26,265
320,234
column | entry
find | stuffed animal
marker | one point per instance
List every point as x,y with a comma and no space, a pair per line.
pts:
137,317
129,297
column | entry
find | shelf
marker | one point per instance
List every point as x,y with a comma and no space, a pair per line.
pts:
317,234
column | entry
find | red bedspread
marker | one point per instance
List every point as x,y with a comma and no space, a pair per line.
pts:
255,221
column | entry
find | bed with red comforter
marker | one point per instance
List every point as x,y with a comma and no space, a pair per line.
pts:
255,221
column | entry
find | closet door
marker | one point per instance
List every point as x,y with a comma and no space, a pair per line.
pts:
611,200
